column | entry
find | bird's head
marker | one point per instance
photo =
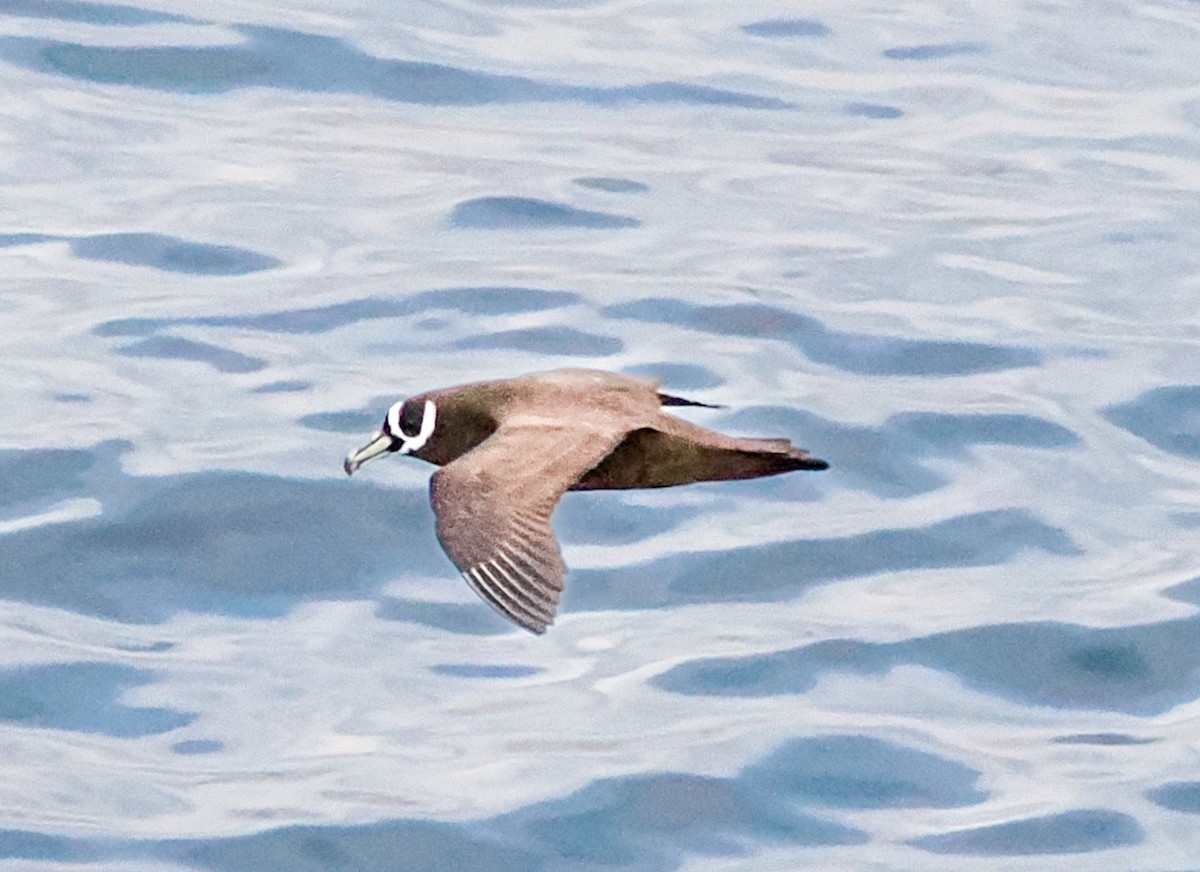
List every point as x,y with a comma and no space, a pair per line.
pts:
405,430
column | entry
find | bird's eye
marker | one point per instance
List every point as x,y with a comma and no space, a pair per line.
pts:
410,418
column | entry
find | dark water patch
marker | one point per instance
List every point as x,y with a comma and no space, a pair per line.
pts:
104,14
285,386
273,57
881,355
787,28
319,319
72,397
852,352
155,250
473,619
410,845
192,747
682,92
559,341
1187,591
859,772
678,376
753,320
177,348
1181,796
10,240
954,433
493,300
171,254
892,460
527,213
1102,739
41,476
1167,418
784,570
27,845
322,319
1140,670
228,543
476,670
874,111
1073,832
269,57
82,697
933,51
789,671
1186,520
612,186
760,572
653,821
341,422
182,69
655,310
471,301
131,326
1116,661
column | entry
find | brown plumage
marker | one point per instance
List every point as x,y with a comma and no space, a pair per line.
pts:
510,449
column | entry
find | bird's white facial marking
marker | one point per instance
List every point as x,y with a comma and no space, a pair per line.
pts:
409,444
393,418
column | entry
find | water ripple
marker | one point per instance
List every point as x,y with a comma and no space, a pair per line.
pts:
783,28
82,697
157,251
167,544
1166,417
520,213
1180,796
293,60
322,319
1141,670
893,459
852,352
1072,832
933,51
779,571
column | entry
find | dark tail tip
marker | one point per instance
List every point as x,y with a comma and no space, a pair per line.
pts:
668,400
801,459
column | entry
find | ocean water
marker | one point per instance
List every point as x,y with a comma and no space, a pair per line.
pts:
953,248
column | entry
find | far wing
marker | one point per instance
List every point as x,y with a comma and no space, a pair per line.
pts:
493,508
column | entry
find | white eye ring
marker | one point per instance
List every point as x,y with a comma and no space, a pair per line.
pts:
409,444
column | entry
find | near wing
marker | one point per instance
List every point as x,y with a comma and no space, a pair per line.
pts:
493,508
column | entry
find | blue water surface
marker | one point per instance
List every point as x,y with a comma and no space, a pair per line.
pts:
951,250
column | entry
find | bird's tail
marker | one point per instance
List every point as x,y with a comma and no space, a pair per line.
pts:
668,400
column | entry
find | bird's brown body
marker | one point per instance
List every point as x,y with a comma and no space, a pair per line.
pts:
509,449
663,452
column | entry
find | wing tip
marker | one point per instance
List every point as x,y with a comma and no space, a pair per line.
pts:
516,612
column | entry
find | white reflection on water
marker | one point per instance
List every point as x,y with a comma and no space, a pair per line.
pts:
952,250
